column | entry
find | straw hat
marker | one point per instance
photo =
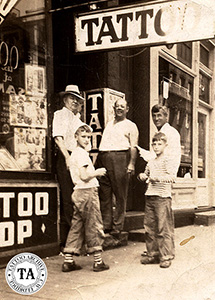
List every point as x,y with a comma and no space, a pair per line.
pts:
73,90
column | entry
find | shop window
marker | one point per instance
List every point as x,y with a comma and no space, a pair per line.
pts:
182,81
23,89
172,76
201,145
180,102
204,88
184,53
204,56
180,117
190,88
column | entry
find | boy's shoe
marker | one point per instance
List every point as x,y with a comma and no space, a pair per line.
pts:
100,267
68,267
149,260
165,264
145,253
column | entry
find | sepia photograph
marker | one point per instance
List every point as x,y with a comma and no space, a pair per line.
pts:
107,149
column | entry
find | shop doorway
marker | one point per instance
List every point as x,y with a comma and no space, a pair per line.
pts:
203,153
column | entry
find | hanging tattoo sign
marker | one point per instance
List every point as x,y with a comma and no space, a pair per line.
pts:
5,8
140,25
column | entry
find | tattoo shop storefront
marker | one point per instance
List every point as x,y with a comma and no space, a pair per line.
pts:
148,52
104,48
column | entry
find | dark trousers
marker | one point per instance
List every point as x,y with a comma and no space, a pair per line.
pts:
114,182
66,189
159,226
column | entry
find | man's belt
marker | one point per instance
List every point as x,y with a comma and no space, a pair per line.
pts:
113,151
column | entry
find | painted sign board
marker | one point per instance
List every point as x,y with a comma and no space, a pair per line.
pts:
28,219
153,24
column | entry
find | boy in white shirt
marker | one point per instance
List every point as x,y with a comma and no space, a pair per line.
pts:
86,226
160,173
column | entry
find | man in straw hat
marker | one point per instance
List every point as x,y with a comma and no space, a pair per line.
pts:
65,122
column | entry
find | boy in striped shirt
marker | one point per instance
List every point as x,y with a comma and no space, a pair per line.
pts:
159,220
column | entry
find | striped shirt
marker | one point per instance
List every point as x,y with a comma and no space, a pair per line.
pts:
163,172
173,149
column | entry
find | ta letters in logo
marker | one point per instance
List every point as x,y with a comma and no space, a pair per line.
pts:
26,273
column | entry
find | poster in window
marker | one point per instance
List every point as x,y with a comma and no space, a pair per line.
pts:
35,80
30,144
28,111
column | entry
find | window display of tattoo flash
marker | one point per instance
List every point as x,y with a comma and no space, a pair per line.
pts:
23,95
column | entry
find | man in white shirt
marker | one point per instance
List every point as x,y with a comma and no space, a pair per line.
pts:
117,153
173,149
65,122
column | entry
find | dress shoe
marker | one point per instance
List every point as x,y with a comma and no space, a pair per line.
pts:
115,233
165,264
149,260
68,267
100,267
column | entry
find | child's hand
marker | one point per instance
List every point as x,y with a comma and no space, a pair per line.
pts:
142,177
101,172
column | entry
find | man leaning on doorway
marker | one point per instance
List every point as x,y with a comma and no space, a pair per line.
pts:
65,122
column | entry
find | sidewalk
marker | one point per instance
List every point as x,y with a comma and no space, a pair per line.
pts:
190,277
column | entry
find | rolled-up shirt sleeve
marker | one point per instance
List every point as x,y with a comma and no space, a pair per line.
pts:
58,126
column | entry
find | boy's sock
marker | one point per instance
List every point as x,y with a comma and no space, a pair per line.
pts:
69,263
68,258
99,264
98,257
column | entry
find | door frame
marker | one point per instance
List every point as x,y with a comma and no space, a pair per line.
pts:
203,196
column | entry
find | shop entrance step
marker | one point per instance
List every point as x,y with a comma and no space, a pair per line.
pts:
133,220
137,235
206,218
